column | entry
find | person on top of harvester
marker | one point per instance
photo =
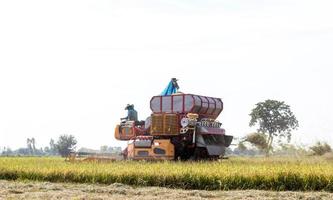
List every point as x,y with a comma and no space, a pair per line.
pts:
132,114
172,88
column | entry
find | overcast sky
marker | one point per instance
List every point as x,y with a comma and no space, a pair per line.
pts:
70,67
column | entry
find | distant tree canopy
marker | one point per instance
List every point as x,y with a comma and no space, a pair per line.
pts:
29,150
53,147
66,144
104,149
258,140
321,148
275,119
241,147
31,146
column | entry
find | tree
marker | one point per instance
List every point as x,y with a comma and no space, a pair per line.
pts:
258,140
241,147
31,145
47,150
291,149
33,142
275,119
321,148
23,151
53,147
104,149
66,144
7,151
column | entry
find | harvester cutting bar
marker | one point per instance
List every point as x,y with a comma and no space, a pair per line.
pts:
92,157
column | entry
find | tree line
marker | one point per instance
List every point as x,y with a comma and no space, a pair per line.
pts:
62,147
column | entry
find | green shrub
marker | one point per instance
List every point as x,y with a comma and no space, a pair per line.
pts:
321,148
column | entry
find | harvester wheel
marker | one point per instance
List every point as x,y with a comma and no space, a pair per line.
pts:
200,153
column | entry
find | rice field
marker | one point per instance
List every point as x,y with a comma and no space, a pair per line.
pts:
279,174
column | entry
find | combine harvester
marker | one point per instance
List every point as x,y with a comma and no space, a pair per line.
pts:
181,127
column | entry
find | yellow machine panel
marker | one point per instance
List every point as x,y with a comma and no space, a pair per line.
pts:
171,124
160,149
124,131
156,124
164,124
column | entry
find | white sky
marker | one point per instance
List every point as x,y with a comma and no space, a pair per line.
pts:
70,67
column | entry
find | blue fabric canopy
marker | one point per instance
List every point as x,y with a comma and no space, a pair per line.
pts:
170,89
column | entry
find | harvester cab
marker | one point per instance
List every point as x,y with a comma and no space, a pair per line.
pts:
181,126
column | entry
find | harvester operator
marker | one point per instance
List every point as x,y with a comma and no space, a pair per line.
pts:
132,114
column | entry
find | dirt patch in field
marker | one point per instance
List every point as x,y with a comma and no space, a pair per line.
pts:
45,190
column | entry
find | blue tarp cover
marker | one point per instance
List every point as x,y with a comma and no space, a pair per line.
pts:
170,89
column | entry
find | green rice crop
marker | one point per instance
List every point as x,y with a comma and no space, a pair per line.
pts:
236,173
